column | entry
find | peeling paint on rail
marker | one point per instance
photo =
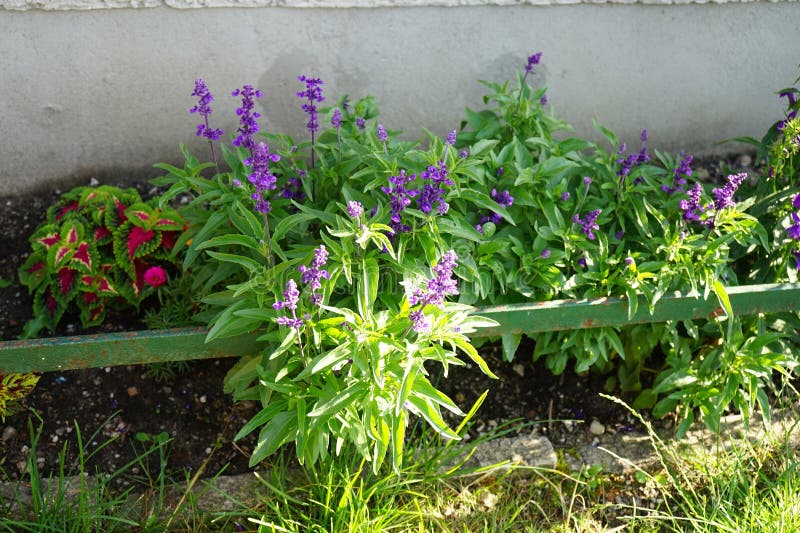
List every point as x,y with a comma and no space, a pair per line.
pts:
129,348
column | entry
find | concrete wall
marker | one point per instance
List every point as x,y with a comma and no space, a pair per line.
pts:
106,91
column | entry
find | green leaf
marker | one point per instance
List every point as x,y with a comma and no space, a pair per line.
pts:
326,361
273,436
247,262
344,398
288,223
368,287
510,344
262,417
423,388
430,413
231,239
472,353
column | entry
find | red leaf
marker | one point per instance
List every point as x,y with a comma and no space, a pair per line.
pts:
36,267
73,235
50,240
144,216
66,209
105,286
95,312
137,237
50,302
90,297
66,278
168,239
82,255
100,233
60,253
120,211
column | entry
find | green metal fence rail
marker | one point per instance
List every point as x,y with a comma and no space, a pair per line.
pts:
87,351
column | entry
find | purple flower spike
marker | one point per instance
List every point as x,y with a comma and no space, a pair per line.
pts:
588,224
724,197
418,321
247,117
312,275
691,207
794,229
451,138
587,180
203,108
382,135
336,119
545,253
355,210
361,122
434,191
399,199
290,297
543,99
261,177
533,60
313,94
565,196
441,285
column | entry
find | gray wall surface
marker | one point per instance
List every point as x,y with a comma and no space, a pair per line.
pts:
106,92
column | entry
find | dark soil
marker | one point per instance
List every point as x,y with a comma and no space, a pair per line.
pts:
120,402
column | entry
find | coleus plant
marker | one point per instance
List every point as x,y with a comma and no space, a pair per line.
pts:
98,247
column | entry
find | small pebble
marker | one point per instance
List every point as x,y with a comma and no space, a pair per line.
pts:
519,369
93,182
132,391
8,434
596,428
203,398
744,160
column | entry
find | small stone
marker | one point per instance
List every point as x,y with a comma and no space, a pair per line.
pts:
519,369
8,434
167,390
93,182
132,391
703,174
569,425
54,439
596,428
203,399
744,160
489,499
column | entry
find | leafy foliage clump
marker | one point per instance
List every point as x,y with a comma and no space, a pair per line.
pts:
99,247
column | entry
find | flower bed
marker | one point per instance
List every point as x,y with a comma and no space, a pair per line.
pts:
344,250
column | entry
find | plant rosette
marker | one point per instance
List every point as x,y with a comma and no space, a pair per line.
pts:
99,247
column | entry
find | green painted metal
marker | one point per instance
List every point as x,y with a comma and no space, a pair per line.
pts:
112,349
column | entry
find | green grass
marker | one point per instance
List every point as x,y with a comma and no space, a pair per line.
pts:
737,486
74,500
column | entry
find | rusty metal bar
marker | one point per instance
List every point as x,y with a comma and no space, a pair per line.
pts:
112,349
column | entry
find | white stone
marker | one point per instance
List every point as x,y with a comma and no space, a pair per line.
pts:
596,428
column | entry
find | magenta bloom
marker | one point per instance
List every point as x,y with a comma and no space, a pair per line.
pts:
155,276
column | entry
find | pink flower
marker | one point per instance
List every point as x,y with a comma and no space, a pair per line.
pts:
155,276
